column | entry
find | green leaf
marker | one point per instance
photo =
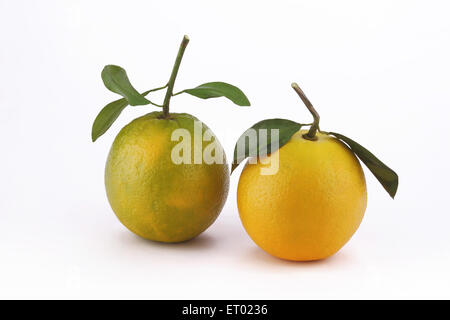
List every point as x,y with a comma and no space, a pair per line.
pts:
286,128
115,79
219,89
109,114
386,176
106,117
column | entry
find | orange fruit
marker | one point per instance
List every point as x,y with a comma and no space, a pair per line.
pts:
150,194
311,207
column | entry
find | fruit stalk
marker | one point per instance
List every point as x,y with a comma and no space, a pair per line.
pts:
311,135
173,76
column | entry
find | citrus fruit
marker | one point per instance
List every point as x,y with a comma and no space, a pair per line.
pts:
151,195
162,181
311,207
303,195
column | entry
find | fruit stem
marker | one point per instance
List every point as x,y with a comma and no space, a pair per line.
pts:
173,76
311,135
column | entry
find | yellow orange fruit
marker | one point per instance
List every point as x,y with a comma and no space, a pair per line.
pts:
311,207
151,195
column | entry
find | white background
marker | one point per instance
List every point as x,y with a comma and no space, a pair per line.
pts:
377,71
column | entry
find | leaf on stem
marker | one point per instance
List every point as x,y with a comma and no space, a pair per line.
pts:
106,117
219,89
385,175
263,143
115,79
